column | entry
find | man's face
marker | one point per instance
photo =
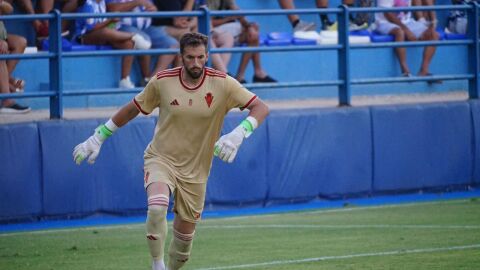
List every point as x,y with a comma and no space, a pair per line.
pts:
194,59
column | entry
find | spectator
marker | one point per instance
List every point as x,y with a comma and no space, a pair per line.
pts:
102,31
299,25
176,26
142,26
403,27
228,31
45,6
10,44
457,19
427,17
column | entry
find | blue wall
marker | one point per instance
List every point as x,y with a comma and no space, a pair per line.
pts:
297,155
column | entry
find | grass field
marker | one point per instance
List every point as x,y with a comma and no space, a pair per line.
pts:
435,235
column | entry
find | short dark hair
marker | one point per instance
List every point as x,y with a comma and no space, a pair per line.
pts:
193,39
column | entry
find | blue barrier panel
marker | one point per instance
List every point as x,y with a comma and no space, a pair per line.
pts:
67,188
421,146
120,167
315,152
114,183
20,172
475,105
244,181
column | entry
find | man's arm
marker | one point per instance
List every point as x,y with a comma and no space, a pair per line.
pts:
259,110
125,114
91,147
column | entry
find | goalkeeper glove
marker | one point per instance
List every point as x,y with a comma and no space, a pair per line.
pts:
91,147
227,146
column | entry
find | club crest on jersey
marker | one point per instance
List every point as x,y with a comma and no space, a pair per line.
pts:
209,99
174,103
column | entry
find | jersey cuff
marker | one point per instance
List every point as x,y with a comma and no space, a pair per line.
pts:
139,108
248,103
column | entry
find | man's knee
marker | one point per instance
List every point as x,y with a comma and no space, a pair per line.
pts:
398,33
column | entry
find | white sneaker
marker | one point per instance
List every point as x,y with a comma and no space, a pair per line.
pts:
304,26
140,43
126,83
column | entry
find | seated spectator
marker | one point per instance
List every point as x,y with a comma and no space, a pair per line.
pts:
404,28
228,31
427,17
102,31
172,27
457,19
43,7
10,44
142,26
361,22
176,26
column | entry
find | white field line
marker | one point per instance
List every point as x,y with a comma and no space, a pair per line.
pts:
346,209
341,257
306,212
339,226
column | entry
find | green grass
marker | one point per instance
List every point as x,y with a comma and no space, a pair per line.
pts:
438,235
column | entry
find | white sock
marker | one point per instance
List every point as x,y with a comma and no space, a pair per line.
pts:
158,265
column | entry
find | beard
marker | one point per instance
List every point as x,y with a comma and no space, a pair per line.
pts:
194,73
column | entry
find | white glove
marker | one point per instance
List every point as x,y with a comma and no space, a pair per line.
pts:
89,148
226,147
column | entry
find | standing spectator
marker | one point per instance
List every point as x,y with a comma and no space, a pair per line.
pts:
142,26
404,28
101,31
228,31
193,101
10,44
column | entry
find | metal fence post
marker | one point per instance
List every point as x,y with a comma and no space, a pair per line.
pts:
204,27
344,89
55,65
473,50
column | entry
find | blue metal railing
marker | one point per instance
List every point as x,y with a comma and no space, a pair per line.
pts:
55,54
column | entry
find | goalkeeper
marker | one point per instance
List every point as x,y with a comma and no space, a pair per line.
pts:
193,101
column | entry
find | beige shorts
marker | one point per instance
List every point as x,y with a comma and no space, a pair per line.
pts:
189,198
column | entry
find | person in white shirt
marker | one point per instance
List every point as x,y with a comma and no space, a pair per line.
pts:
404,28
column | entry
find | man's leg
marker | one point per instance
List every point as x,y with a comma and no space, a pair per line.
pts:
4,88
217,61
288,4
401,52
16,45
429,51
156,225
181,244
324,17
224,40
118,40
295,21
160,39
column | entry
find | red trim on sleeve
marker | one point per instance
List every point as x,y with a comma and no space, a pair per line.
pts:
248,103
139,108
